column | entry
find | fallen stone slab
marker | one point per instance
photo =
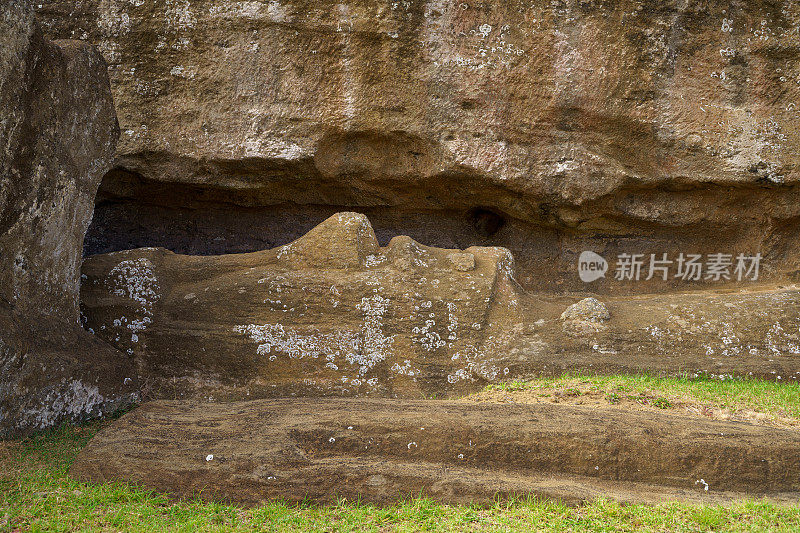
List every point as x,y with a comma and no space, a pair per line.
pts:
379,450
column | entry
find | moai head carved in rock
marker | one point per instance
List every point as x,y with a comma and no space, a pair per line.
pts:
331,313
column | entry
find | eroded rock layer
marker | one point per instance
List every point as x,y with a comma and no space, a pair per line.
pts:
718,334
622,127
380,450
57,137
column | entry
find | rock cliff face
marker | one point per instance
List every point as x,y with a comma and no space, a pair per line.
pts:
232,258
544,127
57,136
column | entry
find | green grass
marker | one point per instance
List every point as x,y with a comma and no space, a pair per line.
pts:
37,495
778,399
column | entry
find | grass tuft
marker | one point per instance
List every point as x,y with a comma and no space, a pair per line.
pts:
772,398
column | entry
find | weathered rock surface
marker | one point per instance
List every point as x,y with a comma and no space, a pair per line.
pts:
58,132
635,127
379,450
720,334
546,129
585,317
331,313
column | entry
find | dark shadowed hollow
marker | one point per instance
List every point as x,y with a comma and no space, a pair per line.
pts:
204,219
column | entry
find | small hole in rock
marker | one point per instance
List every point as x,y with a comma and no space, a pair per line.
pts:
486,221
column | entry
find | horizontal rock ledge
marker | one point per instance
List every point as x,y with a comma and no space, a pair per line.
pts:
378,450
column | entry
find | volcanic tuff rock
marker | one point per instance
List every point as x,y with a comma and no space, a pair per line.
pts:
378,450
585,317
58,131
628,126
334,313
753,332
331,313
